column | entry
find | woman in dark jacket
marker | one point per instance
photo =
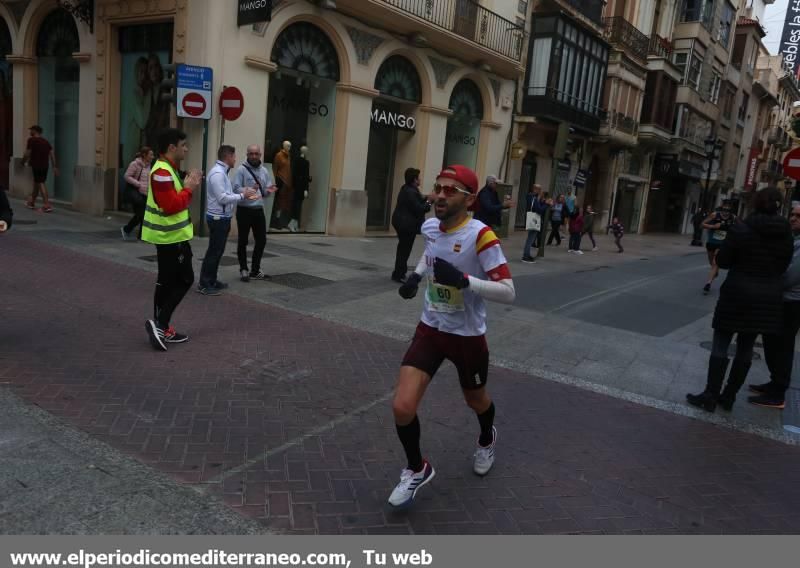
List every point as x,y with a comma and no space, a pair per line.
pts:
756,253
407,219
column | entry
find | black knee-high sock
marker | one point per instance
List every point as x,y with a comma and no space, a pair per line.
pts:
409,437
486,421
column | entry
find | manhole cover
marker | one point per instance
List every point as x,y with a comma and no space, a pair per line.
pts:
322,244
23,222
299,281
707,345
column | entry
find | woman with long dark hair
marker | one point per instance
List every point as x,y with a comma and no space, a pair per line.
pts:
756,253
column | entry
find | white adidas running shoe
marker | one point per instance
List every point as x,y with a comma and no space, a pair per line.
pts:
484,457
410,482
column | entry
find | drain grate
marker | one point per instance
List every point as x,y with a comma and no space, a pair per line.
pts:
322,244
299,281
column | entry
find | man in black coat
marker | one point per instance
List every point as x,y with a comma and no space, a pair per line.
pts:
407,219
490,206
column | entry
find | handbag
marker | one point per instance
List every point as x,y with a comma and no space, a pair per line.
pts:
533,221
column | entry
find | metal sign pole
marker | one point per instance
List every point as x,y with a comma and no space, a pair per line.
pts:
202,228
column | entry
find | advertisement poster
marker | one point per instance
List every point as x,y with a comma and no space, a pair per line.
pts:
144,51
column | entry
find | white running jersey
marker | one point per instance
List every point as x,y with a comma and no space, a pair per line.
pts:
473,248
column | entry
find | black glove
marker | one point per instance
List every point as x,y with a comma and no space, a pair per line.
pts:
409,289
448,275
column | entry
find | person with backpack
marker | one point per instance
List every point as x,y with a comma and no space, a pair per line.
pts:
575,230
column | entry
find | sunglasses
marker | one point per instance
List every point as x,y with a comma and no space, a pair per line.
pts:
449,190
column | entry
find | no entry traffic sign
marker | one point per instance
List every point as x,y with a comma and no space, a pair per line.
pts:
193,104
194,85
791,164
231,103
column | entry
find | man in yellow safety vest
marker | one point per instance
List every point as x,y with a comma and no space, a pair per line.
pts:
168,225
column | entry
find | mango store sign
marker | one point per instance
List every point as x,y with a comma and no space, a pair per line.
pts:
392,119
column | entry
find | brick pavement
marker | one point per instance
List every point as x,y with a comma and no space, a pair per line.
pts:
286,417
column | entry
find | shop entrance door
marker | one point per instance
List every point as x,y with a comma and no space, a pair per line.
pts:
380,172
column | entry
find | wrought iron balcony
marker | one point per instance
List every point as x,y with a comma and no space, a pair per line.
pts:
470,20
624,36
623,123
659,47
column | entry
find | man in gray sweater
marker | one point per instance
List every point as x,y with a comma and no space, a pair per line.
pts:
779,349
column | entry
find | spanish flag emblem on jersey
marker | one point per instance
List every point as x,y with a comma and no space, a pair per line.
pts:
457,247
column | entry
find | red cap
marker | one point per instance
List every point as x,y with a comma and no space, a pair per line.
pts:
463,175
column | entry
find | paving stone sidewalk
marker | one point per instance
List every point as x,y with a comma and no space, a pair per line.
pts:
286,418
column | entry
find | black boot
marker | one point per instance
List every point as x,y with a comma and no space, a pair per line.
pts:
736,378
707,400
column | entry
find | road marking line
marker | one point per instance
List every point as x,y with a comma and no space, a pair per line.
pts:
296,441
624,288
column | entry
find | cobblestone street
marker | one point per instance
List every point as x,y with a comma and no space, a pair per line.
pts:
286,418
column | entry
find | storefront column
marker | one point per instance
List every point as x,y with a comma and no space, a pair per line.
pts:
25,112
348,207
483,168
88,192
431,130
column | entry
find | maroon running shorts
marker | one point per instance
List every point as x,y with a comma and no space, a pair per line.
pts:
430,347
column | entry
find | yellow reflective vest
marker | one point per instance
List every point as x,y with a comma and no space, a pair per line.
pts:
158,227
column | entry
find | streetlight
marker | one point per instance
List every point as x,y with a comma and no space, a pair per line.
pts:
712,148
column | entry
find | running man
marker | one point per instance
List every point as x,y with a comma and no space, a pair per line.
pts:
465,266
718,225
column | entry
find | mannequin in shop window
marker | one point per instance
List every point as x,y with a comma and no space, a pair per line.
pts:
282,168
301,178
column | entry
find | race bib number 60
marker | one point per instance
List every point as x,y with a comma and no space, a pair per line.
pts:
444,299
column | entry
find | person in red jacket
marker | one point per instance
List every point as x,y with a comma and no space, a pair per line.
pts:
576,230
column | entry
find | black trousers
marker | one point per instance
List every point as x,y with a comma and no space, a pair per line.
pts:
554,234
297,205
779,349
137,201
251,219
405,242
575,241
175,277
217,237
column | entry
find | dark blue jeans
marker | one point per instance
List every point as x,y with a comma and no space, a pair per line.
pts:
217,237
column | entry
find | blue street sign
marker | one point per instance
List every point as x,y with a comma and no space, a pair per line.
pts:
194,89
193,77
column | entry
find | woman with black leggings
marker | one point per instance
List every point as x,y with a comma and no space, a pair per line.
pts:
756,253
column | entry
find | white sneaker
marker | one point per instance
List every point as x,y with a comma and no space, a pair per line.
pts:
484,457
570,251
244,276
578,252
594,249
293,226
125,236
410,482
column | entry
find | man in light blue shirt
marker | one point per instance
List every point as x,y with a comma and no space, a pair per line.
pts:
221,202
250,214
